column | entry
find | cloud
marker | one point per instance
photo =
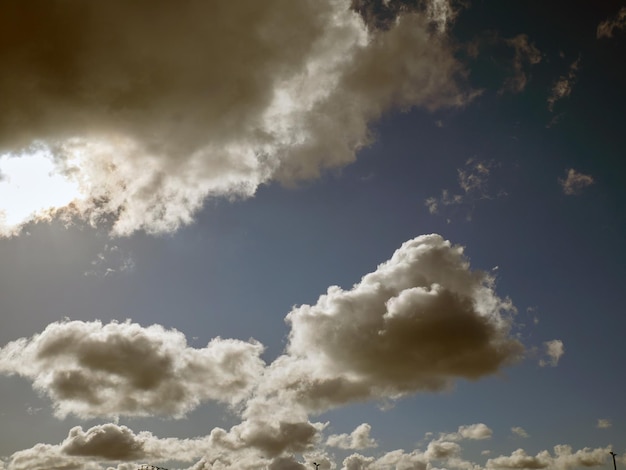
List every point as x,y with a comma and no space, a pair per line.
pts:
89,369
110,261
473,180
478,431
553,350
563,459
358,439
419,322
562,88
607,28
526,55
519,432
603,424
106,443
144,113
575,182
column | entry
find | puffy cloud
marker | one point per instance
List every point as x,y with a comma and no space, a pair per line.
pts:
477,432
553,350
143,113
90,369
519,431
418,322
562,88
607,28
358,439
106,443
603,424
575,182
563,459
526,55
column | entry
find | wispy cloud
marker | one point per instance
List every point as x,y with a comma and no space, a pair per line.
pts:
562,88
609,26
519,431
526,56
574,182
603,424
473,180
110,261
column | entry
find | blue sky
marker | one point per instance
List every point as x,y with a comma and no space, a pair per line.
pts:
177,200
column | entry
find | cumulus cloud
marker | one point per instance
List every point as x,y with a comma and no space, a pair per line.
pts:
553,350
519,431
563,458
107,443
418,322
358,439
603,424
144,113
607,28
574,182
478,431
562,88
473,180
89,369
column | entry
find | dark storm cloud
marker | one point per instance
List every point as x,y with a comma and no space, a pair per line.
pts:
150,107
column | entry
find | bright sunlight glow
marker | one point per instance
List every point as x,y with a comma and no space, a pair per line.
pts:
31,185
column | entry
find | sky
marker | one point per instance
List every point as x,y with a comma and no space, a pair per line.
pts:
344,234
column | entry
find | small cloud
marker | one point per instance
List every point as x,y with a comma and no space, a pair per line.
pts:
603,424
110,261
358,439
607,27
575,182
526,55
553,350
519,431
562,88
473,179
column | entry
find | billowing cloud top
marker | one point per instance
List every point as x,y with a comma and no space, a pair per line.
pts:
145,110
90,369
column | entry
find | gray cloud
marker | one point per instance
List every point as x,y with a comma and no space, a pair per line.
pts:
603,424
607,28
149,109
519,431
89,369
575,182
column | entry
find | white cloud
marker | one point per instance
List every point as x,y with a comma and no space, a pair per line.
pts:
147,121
553,350
575,182
478,431
89,369
607,28
519,431
603,424
358,439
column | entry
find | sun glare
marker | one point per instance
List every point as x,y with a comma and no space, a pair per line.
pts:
31,185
